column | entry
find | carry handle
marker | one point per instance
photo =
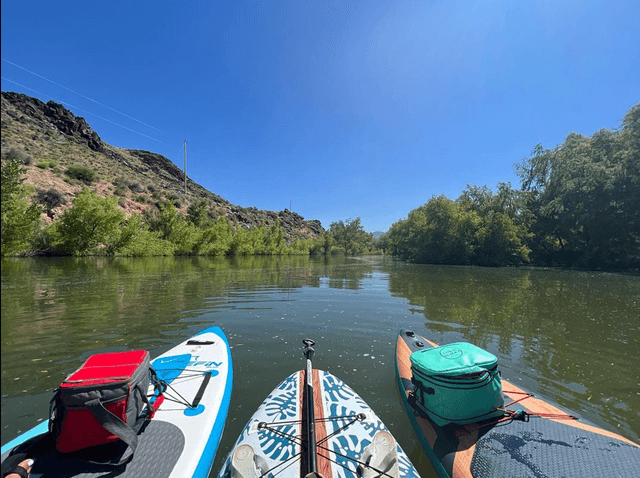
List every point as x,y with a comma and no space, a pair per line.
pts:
116,426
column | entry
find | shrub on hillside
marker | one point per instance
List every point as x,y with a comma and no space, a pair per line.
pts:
136,187
51,198
120,182
81,173
18,155
47,163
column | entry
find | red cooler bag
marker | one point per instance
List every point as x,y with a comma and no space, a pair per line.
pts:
102,402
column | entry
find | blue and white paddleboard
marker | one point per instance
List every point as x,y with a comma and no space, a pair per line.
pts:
182,439
352,442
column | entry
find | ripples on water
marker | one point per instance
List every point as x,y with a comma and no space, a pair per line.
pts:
570,336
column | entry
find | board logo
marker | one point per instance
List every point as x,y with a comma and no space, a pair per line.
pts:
202,363
450,353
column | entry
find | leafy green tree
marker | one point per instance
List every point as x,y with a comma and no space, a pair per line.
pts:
242,242
627,195
441,232
475,229
328,242
351,236
173,227
498,242
92,223
198,215
585,194
501,231
274,241
258,240
20,218
136,240
215,239
300,247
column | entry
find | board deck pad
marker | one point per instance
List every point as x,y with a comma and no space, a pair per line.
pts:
544,446
180,441
345,426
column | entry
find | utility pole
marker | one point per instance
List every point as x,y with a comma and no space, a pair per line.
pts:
185,167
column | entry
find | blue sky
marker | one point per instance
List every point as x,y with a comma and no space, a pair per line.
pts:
341,109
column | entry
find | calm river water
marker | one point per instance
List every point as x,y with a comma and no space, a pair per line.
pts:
573,337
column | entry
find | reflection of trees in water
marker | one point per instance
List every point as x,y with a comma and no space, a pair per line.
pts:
69,299
125,287
485,302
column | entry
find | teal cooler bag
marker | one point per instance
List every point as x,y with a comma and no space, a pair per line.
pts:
457,383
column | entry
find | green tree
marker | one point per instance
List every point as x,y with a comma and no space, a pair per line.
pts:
328,242
20,218
198,215
440,232
585,193
498,242
136,240
274,241
242,242
475,229
351,236
258,240
173,227
501,230
92,223
215,239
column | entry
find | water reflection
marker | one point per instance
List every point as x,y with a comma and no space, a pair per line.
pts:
573,337
53,301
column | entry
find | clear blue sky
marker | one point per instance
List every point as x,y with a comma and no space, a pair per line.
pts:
342,109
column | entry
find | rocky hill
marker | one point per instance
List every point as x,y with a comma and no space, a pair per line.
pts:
54,145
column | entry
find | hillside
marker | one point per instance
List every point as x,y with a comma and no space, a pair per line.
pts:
50,140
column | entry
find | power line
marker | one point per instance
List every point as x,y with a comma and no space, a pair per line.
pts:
84,111
80,94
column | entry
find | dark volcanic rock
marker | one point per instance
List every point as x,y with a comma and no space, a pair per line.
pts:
57,115
72,125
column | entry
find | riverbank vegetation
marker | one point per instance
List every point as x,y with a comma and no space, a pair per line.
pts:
578,206
94,225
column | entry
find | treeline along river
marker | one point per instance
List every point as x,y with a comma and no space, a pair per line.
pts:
572,337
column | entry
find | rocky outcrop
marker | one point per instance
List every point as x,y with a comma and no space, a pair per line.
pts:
54,114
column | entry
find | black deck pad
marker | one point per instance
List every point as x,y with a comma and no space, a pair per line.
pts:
160,445
542,448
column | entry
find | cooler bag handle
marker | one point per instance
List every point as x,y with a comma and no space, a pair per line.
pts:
116,426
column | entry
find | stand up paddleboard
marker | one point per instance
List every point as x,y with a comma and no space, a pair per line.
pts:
535,439
313,424
182,438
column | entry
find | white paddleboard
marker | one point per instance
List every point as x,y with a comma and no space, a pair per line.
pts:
273,445
181,440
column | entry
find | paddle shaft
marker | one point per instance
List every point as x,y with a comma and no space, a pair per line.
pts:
312,463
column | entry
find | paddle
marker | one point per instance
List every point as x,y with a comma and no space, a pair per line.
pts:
312,465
